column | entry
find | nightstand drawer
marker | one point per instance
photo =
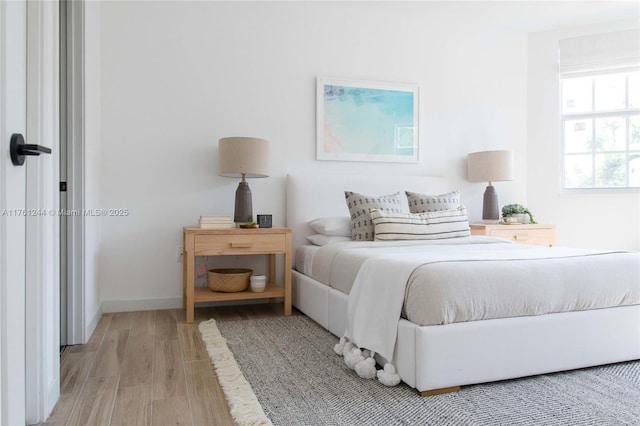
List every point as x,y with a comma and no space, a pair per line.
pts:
209,245
543,237
534,234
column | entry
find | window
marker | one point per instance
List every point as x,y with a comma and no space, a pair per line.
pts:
600,108
601,130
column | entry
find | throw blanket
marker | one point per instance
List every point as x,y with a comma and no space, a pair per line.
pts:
376,299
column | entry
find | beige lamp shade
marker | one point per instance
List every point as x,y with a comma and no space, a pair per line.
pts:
490,166
238,156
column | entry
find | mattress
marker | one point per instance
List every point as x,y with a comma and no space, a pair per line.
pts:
477,278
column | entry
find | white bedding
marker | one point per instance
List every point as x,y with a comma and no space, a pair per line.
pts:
553,280
474,278
565,281
337,264
303,260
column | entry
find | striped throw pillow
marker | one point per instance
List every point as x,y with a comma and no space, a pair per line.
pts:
420,226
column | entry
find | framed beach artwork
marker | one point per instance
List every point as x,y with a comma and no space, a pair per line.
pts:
366,121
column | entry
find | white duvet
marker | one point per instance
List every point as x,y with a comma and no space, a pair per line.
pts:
469,279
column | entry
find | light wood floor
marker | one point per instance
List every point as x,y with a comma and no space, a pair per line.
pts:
146,368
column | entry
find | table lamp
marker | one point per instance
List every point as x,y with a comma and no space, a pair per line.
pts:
490,166
243,157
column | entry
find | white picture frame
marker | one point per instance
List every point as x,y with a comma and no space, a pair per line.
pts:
366,121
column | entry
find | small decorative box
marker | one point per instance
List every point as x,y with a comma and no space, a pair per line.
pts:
264,220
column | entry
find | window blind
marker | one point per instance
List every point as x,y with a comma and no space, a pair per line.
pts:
607,51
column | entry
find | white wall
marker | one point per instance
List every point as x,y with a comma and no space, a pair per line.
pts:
177,76
595,220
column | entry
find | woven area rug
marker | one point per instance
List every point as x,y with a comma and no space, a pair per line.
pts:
299,380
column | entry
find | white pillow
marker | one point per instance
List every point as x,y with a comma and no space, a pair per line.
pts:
420,203
420,226
336,225
321,240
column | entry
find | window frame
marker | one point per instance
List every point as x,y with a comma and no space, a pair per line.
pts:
593,115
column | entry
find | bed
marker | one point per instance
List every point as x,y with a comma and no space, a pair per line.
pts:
443,356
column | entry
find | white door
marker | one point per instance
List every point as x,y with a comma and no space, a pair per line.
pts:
28,219
13,113
42,221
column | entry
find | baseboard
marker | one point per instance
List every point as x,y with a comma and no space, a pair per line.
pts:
141,304
91,326
109,306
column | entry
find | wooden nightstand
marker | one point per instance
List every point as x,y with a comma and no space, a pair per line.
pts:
233,242
539,235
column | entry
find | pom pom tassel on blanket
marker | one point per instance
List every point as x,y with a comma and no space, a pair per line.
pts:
364,363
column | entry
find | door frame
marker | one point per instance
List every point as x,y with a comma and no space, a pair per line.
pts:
73,102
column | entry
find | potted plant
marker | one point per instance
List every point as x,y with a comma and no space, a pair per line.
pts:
520,213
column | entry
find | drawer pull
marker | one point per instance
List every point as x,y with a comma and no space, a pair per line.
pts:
521,237
240,245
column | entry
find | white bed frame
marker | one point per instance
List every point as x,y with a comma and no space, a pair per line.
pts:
441,358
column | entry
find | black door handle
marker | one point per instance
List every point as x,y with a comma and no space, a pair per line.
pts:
19,149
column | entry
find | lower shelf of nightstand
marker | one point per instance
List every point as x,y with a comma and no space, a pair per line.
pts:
204,294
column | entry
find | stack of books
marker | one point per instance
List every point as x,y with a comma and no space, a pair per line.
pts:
212,222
